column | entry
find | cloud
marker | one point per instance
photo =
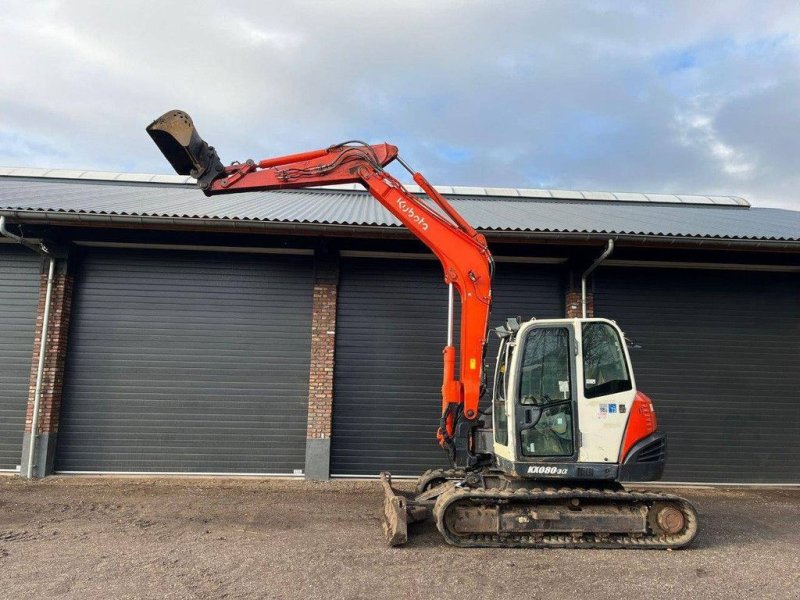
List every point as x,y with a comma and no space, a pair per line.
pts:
248,33
683,97
697,132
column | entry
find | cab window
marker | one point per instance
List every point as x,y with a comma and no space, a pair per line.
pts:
500,409
604,368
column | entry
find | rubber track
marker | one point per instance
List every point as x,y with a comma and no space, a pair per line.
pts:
560,540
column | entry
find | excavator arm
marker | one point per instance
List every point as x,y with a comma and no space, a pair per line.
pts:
462,251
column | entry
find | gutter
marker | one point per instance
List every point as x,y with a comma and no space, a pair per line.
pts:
383,231
42,250
609,249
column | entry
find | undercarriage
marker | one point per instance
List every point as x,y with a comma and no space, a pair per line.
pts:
488,509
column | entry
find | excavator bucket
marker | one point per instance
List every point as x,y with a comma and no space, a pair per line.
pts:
175,135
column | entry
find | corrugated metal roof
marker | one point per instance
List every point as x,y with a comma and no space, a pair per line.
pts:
527,215
459,190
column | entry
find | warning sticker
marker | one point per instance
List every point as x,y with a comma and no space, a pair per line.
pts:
603,411
612,408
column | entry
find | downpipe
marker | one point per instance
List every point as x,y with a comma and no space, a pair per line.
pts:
606,253
42,250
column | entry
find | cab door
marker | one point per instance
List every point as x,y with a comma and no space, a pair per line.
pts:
544,407
606,391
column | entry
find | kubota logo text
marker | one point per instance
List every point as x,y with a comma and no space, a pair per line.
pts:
409,210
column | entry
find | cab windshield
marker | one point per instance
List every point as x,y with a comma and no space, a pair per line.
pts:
545,367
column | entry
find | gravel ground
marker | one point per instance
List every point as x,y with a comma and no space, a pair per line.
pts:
255,538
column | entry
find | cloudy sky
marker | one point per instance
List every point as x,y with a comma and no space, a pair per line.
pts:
681,97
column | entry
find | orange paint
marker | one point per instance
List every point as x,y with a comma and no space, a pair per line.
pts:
641,423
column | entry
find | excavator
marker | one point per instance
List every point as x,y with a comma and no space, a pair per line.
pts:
543,465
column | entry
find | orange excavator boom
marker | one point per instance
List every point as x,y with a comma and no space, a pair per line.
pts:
463,252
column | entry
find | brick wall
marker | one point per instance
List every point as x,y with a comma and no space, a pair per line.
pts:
323,340
573,308
56,349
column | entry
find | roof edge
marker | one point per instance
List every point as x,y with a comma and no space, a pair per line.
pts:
209,223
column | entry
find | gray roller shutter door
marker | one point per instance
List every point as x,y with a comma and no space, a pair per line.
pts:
719,355
187,362
19,295
391,327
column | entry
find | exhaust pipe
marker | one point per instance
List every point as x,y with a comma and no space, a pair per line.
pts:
175,135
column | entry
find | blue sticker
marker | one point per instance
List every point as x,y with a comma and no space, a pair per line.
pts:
612,408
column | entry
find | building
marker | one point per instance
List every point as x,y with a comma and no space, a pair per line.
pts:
299,332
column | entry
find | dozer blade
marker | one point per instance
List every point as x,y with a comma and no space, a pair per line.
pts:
175,135
395,517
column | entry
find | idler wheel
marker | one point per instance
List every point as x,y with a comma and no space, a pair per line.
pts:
670,519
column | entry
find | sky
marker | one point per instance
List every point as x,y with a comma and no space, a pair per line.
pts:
667,97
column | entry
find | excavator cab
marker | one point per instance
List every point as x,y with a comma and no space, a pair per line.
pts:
565,405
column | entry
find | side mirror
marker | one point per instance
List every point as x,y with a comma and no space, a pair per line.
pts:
632,344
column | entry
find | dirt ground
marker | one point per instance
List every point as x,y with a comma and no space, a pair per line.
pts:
256,538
